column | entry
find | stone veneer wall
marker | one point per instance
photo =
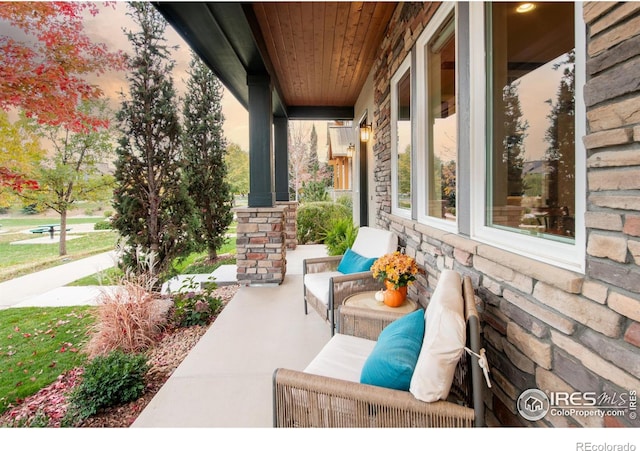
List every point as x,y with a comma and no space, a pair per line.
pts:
261,245
290,223
546,327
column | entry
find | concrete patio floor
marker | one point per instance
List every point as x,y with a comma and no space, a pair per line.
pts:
225,381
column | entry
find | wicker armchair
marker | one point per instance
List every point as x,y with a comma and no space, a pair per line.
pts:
307,400
325,288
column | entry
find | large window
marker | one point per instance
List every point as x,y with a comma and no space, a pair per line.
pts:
436,61
531,146
531,163
498,117
401,140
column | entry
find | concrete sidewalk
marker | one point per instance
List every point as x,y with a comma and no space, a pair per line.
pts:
47,288
226,379
21,289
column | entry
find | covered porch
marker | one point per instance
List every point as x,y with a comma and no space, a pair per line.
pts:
561,313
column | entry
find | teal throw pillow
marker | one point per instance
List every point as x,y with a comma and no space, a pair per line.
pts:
353,262
394,357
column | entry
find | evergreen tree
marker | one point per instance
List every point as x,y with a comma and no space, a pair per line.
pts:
152,209
515,129
560,137
204,151
313,164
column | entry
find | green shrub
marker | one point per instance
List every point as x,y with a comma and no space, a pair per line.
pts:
31,209
315,218
345,200
107,213
102,225
111,380
195,308
340,236
314,191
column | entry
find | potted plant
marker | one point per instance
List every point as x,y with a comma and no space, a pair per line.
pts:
397,271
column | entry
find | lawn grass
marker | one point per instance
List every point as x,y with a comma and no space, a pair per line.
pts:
29,222
197,263
39,344
109,276
202,266
20,259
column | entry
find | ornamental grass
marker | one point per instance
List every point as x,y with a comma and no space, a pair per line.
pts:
130,318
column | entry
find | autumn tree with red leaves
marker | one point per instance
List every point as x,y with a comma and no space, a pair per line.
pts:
44,73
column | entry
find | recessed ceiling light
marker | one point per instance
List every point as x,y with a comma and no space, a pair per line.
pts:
526,7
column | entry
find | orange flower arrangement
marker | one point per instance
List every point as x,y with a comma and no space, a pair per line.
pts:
399,269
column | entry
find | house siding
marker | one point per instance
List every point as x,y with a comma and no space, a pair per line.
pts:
546,327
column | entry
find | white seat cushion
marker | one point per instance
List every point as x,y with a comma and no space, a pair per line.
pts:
373,243
342,358
444,340
318,284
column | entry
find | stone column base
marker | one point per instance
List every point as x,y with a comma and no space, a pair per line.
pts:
261,245
290,222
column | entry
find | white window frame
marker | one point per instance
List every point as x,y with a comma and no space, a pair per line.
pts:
565,255
395,209
421,115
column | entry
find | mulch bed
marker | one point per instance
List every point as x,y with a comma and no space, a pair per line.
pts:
164,357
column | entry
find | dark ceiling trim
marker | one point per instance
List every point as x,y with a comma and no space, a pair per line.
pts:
198,26
279,109
227,37
321,112
221,35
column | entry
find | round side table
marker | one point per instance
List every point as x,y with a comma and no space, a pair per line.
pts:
367,300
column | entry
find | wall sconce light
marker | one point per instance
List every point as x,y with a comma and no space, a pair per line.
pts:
351,150
365,132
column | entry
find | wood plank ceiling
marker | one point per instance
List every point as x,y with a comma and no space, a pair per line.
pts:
322,52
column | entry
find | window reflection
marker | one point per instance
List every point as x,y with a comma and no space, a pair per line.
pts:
403,141
531,175
441,126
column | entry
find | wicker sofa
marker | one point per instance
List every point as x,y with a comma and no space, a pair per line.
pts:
304,399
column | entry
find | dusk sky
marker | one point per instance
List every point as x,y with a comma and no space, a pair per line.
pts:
108,26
